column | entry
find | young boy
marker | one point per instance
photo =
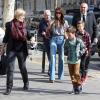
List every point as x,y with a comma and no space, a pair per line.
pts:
85,58
75,49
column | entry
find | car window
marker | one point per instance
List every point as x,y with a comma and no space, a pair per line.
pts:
36,19
69,18
33,22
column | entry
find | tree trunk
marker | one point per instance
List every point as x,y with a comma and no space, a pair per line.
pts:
48,4
34,6
8,11
55,4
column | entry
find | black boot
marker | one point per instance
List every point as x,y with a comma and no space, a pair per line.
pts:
8,91
48,72
26,86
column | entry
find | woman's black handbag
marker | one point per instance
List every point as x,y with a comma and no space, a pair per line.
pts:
3,65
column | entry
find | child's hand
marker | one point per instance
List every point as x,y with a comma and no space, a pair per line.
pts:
95,40
88,52
43,33
66,36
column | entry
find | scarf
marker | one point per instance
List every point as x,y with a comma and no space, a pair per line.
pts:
48,35
18,30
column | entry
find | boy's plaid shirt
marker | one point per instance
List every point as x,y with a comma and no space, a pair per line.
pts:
86,39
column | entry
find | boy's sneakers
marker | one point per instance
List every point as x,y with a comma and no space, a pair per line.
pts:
76,90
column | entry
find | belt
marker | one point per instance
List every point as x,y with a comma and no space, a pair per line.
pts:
56,35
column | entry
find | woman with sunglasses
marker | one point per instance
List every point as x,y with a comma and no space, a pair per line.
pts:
58,29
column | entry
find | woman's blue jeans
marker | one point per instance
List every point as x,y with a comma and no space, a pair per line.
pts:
57,45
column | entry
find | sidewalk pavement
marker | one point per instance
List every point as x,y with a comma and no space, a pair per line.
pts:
41,89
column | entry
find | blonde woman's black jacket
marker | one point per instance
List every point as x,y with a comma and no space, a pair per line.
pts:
12,44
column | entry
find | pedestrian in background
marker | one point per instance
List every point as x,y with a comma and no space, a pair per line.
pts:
75,49
44,31
85,37
15,40
58,29
89,20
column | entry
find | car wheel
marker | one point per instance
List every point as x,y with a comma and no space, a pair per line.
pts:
99,54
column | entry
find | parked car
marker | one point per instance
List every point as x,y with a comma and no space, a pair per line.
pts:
98,31
32,24
69,18
35,22
95,47
96,12
92,8
33,46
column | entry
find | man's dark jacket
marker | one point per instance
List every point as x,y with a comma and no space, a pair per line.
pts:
90,24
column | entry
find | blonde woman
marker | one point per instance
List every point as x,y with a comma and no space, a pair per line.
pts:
16,41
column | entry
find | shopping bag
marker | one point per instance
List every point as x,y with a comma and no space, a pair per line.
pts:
3,65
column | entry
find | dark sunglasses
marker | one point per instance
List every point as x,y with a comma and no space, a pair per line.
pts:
58,12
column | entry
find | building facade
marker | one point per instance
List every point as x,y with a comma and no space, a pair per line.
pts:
33,6
1,8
